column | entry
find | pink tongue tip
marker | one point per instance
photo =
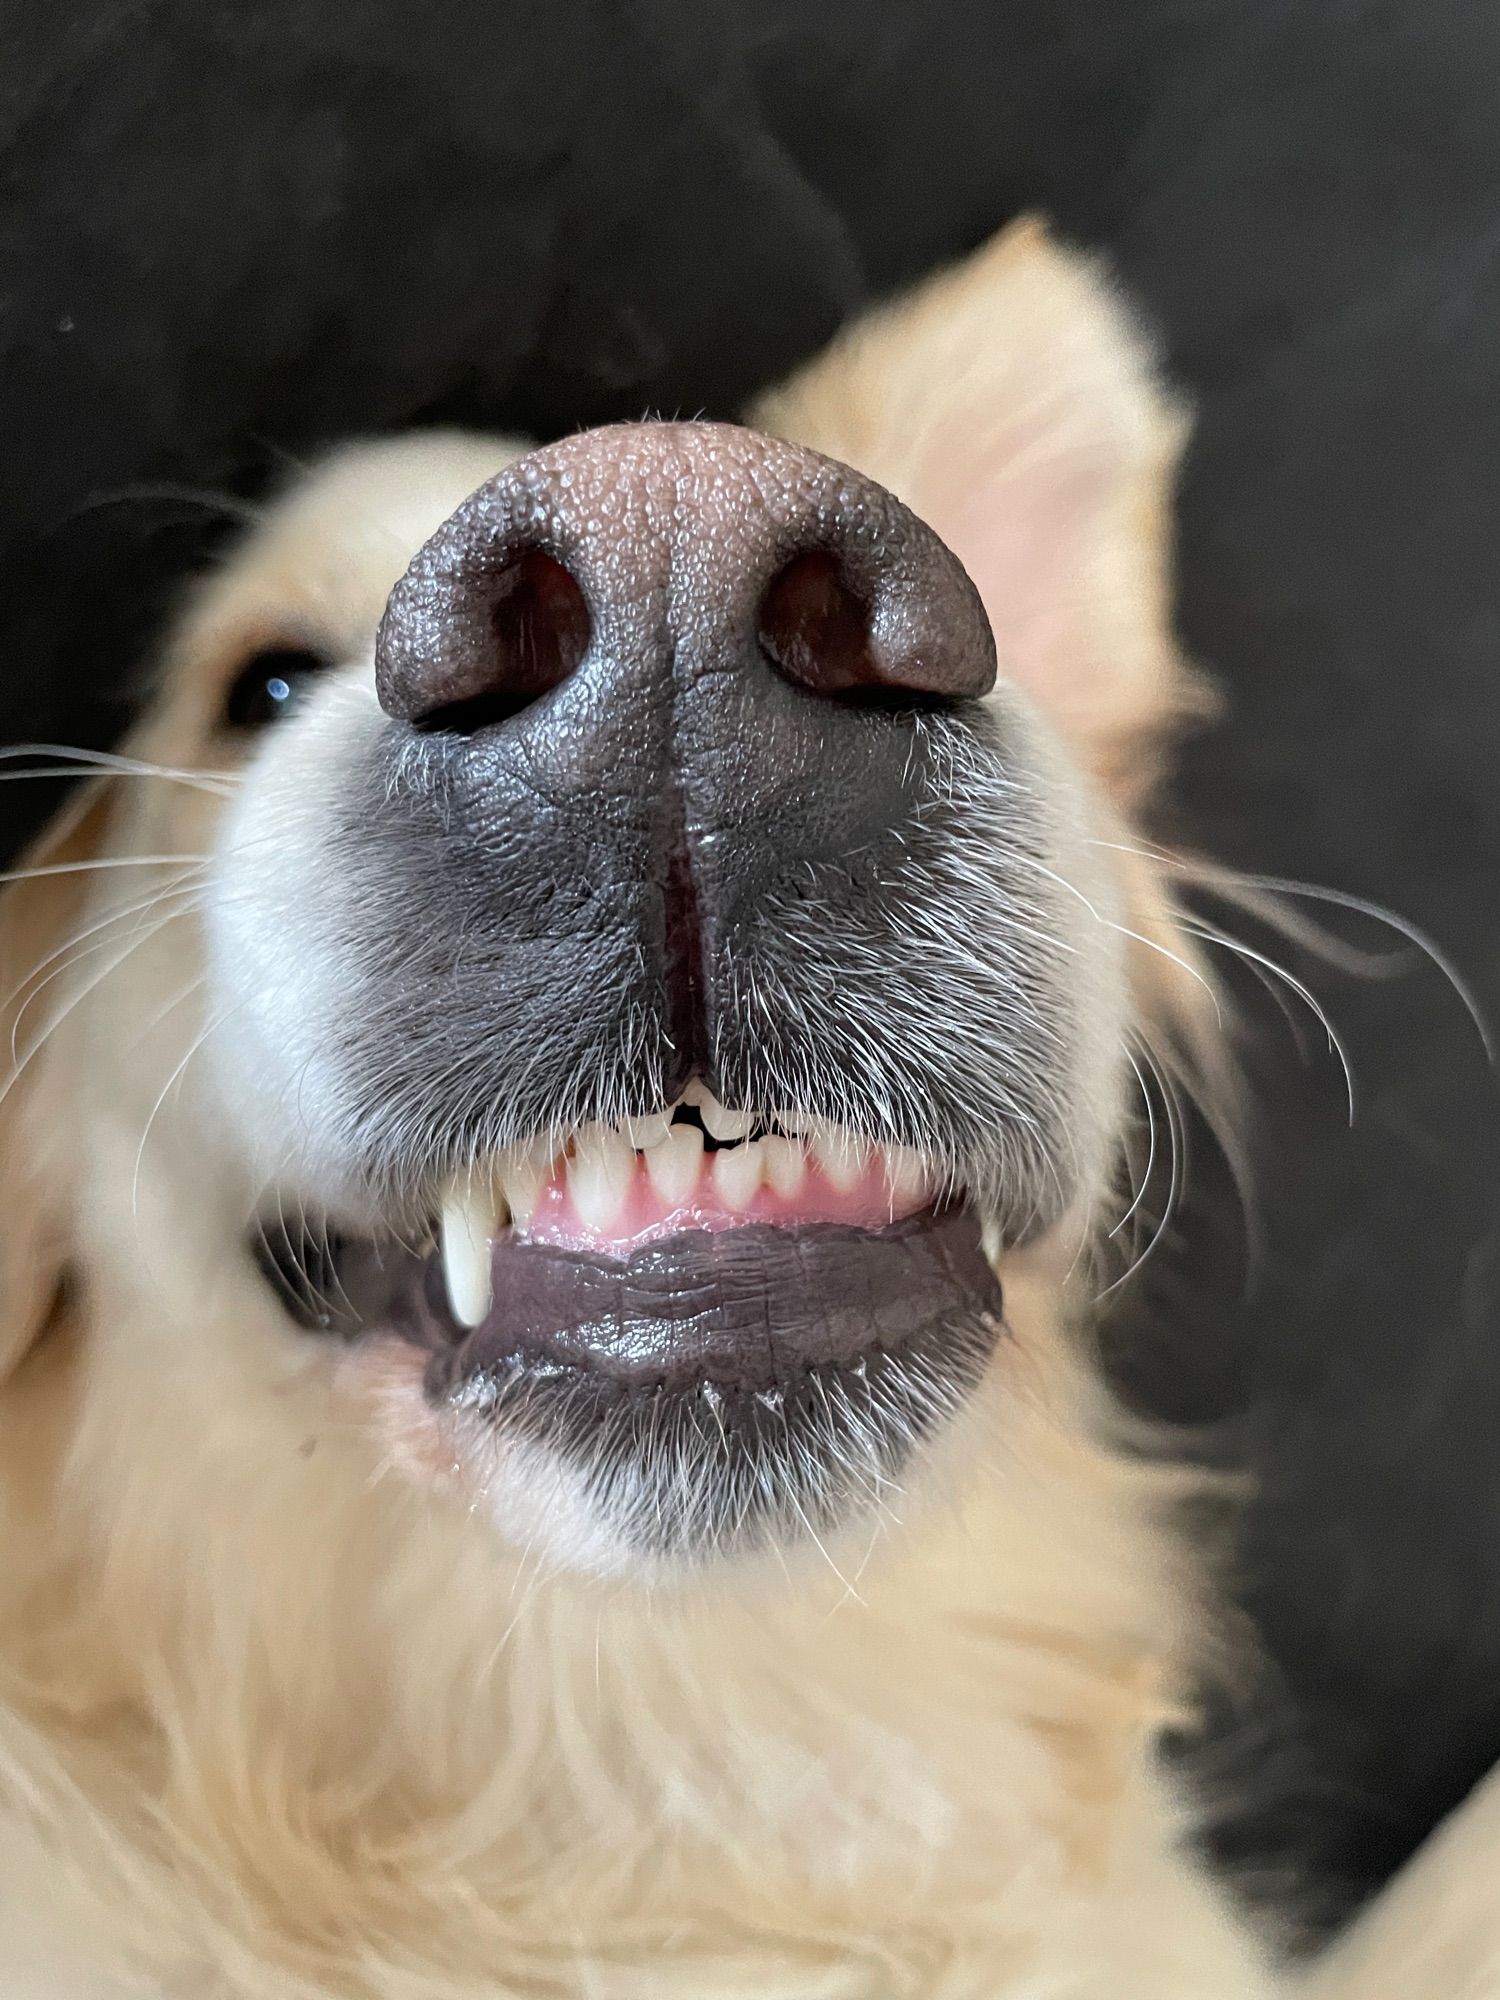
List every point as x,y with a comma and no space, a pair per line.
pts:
642,1212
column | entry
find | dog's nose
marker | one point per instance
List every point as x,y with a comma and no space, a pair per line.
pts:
658,687
694,548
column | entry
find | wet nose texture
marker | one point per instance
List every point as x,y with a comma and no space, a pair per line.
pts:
670,671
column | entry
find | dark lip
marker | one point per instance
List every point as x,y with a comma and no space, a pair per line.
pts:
749,1310
714,1390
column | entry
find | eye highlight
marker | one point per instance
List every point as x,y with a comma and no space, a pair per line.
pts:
270,684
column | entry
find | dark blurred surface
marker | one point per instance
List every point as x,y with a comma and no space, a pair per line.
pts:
228,233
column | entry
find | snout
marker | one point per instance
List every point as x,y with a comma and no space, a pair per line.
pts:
665,660
671,990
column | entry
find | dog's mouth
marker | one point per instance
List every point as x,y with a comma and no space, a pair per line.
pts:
694,1283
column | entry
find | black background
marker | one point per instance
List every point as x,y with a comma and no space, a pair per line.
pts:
228,234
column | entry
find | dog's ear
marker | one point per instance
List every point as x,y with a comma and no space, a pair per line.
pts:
1011,403
40,909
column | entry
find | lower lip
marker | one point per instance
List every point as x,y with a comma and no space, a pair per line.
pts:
751,1308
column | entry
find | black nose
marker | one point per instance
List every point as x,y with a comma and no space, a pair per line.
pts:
705,544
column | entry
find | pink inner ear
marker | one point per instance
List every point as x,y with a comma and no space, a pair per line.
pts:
1025,515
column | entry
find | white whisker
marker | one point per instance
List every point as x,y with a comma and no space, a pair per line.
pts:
1245,889
1210,934
100,866
76,999
1145,1177
74,760
178,1073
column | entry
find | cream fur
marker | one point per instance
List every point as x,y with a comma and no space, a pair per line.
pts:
277,1721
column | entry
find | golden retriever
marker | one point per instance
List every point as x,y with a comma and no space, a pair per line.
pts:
572,1092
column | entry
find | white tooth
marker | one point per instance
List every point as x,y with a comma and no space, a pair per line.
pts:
722,1124
523,1175
643,1133
674,1167
737,1176
907,1174
598,1175
470,1217
842,1157
785,1164
800,1122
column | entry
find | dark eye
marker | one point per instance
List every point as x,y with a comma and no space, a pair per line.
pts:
269,685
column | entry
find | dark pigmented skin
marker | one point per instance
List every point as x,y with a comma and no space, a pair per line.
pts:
674,713
718,1390
677,738
749,1309
713,1388
689,539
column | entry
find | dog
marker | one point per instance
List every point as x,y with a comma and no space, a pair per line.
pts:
573,1090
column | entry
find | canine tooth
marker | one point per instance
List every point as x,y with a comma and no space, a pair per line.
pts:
785,1164
723,1124
737,1176
643,1133
842,1157
673,1168
907,1174
470,1217
598,1175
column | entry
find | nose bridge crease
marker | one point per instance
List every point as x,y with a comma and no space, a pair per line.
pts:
684,939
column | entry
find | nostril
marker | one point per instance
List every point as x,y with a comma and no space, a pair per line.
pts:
529,625
815,626
539,622
900,633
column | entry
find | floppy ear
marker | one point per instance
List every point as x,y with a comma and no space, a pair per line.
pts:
1012,404
38,913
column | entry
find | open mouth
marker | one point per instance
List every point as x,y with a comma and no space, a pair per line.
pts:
778,1306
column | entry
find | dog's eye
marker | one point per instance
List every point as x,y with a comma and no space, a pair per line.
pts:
269,685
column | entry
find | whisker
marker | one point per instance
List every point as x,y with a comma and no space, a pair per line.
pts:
75,760
162,1013
198,1042
183,897
1177,1136
1242,888
1210,934
104,863
77,999
76,938
1124,930
1145,1179
209,782
1419,939
167,492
